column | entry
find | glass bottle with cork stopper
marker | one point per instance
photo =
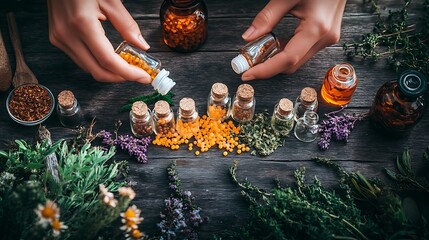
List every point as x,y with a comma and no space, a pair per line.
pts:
255,52
187,123
219,102
68,110
139,58
306,128
163,119
307,100
399,104
282,120
243,106
140,119
339,84
184,24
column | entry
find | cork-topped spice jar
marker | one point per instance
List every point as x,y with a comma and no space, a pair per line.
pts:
163,118
307,100
187,119
184,24
68,109
219,102
243,106
140,119
282,120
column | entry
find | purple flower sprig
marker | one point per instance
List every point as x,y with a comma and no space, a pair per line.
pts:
180,216
136,147
337,127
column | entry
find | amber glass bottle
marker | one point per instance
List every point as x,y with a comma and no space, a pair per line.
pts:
184,24
399,105
339,84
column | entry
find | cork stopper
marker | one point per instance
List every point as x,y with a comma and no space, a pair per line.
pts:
308,95
245,92
139,109
285,106
187,106
219,90
162,108
66,99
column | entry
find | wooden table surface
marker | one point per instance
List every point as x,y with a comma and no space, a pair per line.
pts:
206,176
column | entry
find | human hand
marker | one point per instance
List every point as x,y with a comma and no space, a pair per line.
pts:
319,26
75,28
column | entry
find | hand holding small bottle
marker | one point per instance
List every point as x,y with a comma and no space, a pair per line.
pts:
75,28
319,26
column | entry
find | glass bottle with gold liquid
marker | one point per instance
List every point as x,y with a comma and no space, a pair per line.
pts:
339,84
184,24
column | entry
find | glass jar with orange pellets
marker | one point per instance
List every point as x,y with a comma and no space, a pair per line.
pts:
243,106
187,124
139,58
184,24
163,119
219,103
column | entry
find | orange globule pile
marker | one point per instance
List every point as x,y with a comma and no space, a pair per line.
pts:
138,62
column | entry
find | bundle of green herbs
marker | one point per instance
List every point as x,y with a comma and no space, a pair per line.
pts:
402,39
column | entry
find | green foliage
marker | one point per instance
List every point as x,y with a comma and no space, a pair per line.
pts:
405,44
149,99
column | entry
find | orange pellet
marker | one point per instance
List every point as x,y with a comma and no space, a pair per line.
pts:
136,61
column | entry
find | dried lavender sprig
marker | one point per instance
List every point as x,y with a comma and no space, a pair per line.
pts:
136,147
337,127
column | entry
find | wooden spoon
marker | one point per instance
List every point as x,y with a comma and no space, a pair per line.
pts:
23,74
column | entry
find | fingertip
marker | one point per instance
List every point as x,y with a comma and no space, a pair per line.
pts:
248,33
145,45
247,77
143,80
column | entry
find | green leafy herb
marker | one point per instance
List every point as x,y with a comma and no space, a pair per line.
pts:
149,100
405,44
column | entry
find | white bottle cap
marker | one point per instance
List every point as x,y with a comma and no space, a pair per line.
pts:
239,64
162,83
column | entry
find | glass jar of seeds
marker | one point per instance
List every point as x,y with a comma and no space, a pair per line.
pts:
187,119
243,106
140,119
163,119
219,102
307,100
282,120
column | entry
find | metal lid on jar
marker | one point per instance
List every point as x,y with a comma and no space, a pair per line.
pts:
412,83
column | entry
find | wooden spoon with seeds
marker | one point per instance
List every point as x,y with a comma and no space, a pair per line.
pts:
23,74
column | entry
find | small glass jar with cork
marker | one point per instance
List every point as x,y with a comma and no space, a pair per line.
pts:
68,110
187,123
339,84
219,102
139,58
140,119
163,119
282,120
307,100
243,106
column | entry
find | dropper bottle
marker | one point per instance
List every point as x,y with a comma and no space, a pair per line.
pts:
139,58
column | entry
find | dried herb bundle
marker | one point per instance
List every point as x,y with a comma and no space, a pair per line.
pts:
405,44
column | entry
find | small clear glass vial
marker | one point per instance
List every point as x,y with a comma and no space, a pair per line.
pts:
219,102
187,123
306,128
184,24
339,84
68,110
307,100
140,119
243,106
139,58
163,119
255,52
282,120
399,104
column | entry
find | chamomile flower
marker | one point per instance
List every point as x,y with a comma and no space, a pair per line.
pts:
131,218
47,213
135,234
127,192
107,197
57,227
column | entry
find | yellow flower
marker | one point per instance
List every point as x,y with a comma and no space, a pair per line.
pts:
131,218
127,192
135,234
47,213
57,226
107,197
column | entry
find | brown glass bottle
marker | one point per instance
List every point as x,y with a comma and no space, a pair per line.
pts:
399,105
184,24
339,84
